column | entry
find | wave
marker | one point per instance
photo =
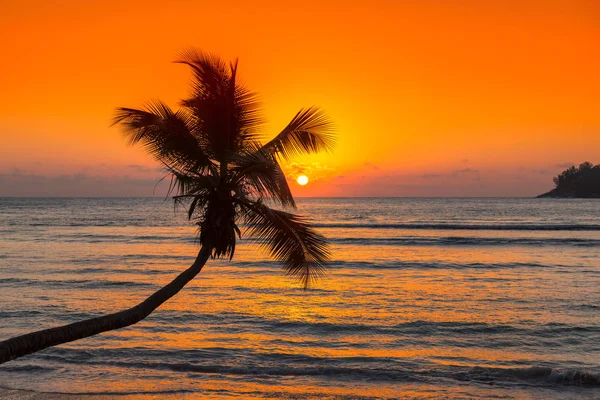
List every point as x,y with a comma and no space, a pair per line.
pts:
436,265
451,332
93,238
567,376
374,369
509,335
28,368
468,241
74,283
337,266
350,225
20,314
451,226
398,241
433,329
92,393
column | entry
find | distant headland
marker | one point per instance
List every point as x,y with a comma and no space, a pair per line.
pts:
577,182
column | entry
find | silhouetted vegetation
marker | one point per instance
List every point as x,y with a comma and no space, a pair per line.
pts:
582,181
213,150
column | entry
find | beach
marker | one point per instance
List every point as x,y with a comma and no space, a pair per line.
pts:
425,299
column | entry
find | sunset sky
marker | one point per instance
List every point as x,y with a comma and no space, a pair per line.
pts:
430,98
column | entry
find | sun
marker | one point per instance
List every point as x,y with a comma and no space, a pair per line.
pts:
302,180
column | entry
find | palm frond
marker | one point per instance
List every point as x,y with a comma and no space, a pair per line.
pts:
193,203
227,113
165,134
248,114
192,191
211,75
261,176
310,131
302,251
185,184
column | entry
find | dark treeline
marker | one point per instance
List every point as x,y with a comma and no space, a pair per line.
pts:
582,181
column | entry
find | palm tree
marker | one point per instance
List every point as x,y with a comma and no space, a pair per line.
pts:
219,169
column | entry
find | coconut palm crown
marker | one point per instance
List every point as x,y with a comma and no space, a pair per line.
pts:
211,148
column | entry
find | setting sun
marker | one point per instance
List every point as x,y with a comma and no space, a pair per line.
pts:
302,180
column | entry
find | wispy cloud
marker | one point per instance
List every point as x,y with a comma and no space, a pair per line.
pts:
21,183
143,168
563,165
315,171
467,171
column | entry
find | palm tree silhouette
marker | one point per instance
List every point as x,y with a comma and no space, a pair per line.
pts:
219,169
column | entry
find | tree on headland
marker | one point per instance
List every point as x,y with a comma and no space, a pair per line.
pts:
224,175
582,181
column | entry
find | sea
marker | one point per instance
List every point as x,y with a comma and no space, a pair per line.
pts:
425,298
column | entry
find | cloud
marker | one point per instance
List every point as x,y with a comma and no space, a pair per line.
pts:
139,180
563,165
456,174
467,171
142,168
19,183
457,183
315,171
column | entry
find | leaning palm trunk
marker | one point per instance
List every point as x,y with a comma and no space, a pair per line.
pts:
26,344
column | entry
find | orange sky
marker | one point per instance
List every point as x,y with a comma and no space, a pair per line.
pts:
430,98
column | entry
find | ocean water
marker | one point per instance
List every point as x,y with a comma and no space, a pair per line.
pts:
425,299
